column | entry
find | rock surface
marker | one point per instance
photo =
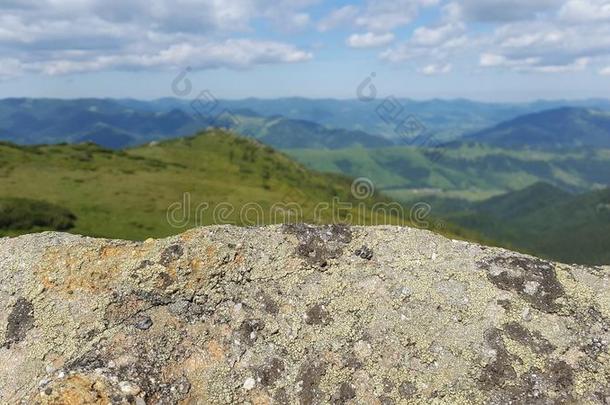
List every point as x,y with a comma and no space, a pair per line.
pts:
297,314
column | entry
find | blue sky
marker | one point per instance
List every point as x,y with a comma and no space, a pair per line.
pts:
495,50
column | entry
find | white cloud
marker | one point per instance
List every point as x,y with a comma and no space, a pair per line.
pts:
532,39
495,60
234,53
439,42
605,71
436,69
584,11
378,16
532,64
385,15
64,36
369,40
425,36
341,16
546,46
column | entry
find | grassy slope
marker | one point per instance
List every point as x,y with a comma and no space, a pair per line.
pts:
126,194
541,220
22,214
472,172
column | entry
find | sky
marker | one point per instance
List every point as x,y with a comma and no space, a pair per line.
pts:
494,50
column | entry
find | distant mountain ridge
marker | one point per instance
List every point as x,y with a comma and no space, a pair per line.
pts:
566,127
283,133
106,122
111,124
126,122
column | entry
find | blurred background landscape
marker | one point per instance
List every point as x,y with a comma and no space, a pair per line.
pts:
486,121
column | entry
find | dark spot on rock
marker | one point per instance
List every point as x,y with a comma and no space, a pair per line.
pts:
534,280
317,315
143,264
48,391
500,370
153,298
387,385
310,375
166,280
561,376
506,304
319,244
364,253
188,310
270,372
407,389
603,395
149,357
88,362
171,254
532,387
20,321
143,322
386,401
595,315
281,397
595,347
269,305
351,361
345,392
248,331
534,340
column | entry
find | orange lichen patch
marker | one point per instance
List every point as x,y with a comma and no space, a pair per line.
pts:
239,259
260,398
75,390
92,269
197,275
215,351
211,253
211,354
197,370
190,235
110,251
196,265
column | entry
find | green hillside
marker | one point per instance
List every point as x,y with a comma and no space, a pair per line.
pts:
22,214
470,171
523,202
126,194
539,219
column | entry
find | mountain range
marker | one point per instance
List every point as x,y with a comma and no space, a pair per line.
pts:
282,123
561,128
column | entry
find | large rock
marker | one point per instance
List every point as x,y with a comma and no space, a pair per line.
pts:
295,314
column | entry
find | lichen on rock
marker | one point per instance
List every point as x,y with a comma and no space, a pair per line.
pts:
297,314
